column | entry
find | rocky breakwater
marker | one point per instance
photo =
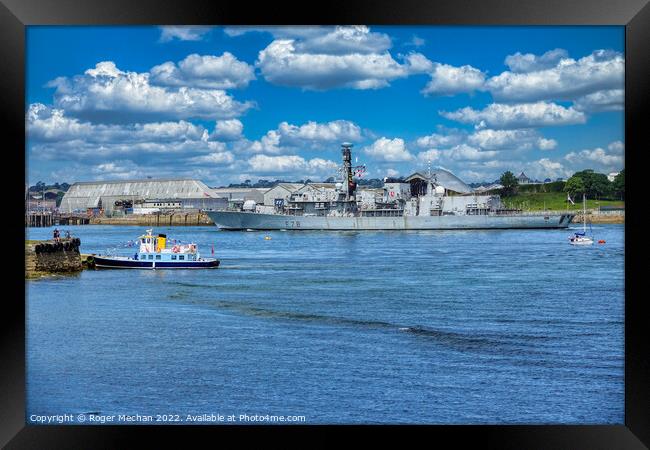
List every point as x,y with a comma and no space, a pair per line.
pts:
49,257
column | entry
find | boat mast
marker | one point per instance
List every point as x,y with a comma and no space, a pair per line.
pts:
348,183
584,214
347,168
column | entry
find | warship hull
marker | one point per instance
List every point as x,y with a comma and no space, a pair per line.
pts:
233,220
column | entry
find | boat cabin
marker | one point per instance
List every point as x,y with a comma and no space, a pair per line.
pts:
154,248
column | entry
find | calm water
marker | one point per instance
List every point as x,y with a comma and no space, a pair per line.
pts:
341,327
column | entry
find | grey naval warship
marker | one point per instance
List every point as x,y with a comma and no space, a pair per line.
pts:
420,202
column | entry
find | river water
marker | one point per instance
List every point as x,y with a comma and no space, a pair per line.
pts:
437,327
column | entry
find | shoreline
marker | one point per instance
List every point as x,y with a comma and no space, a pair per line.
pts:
202,219
600,218
156,220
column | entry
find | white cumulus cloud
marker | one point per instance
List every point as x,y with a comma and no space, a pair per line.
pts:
107,93
335,131
538,78
510,139
228,130
311,135
223,157
607,100
50,124
453,137
207,71
522,63
450,80
289,164
183,33
598,156
616,147
323,58
384,149
523,115
464,152
120,169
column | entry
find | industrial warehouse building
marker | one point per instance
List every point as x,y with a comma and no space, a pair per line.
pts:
104,194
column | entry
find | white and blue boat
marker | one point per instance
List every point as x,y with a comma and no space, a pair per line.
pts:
582,238
153,253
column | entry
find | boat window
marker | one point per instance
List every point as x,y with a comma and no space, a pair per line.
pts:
173,256
157,256
150,256
181,256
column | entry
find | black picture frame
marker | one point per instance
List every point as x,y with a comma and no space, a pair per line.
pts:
15,15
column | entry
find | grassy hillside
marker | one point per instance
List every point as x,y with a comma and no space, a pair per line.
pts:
553,201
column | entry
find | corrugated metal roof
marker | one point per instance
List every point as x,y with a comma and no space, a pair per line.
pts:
87,194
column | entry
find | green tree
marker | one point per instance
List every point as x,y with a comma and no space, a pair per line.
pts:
509,183
618,186
600,186
596,184
38,187
574,186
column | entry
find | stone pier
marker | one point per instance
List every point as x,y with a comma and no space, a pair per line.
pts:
50,257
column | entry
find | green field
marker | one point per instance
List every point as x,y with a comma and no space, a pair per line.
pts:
553,201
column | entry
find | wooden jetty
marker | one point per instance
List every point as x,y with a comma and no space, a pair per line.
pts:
49,219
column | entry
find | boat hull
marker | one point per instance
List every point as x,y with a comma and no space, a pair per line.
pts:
104,262
233,220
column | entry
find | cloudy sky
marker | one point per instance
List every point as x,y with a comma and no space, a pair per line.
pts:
226,104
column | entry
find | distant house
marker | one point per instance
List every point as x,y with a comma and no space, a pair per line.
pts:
523,179
547,180
612,176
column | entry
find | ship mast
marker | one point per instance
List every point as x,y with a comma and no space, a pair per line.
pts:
347,169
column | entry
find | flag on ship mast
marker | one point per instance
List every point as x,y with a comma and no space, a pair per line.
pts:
568,197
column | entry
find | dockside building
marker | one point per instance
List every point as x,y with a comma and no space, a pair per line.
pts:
108,195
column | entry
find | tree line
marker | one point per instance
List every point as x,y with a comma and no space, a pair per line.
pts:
586,182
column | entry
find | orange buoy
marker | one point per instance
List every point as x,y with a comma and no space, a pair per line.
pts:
602,241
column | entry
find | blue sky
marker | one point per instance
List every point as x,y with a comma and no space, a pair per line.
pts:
226,104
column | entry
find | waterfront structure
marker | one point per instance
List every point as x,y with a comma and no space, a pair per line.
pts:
435,200
104,194
155,206
39,205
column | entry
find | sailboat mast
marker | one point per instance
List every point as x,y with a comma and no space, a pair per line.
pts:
584,213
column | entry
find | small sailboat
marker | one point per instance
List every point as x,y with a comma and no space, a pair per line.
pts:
582,238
